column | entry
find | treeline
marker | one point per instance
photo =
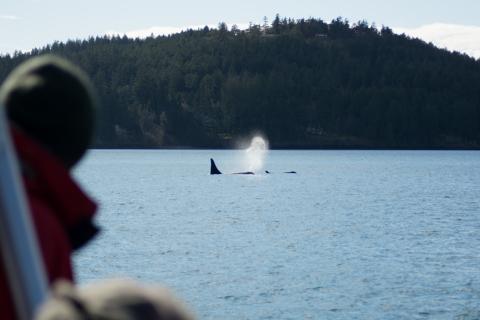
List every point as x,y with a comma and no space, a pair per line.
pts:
303,83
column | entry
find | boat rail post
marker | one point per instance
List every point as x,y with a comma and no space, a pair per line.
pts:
18,242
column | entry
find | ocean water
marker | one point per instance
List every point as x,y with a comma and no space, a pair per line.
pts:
353,235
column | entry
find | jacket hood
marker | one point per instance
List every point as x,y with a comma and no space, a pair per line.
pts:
46,177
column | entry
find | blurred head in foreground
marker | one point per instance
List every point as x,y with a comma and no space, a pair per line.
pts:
113,300
51,100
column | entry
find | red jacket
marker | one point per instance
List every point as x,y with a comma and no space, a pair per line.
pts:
61,212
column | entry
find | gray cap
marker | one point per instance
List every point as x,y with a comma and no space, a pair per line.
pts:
113,300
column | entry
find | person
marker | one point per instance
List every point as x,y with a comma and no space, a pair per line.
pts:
115,299
50,108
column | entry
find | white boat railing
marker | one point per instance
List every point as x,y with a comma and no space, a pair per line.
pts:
18,242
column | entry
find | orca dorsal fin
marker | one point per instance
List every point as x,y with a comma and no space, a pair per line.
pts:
213,167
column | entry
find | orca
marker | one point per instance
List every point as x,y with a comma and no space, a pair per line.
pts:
214,170
213,167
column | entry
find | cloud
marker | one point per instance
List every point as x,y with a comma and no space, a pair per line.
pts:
465,39
143,33
461,38
8,17
165,30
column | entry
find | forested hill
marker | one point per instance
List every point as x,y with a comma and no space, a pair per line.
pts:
303,83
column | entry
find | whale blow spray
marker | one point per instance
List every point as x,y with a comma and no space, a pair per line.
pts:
256,154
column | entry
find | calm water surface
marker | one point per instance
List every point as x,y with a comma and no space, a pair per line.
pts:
354,235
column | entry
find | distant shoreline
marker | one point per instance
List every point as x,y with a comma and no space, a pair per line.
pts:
293,148
304,84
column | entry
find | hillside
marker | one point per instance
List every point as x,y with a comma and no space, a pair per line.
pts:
303,83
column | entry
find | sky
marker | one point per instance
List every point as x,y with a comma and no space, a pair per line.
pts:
27,24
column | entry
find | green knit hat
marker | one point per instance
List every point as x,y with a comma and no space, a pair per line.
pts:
52,101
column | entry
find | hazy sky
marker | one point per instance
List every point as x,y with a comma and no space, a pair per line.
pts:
25,24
